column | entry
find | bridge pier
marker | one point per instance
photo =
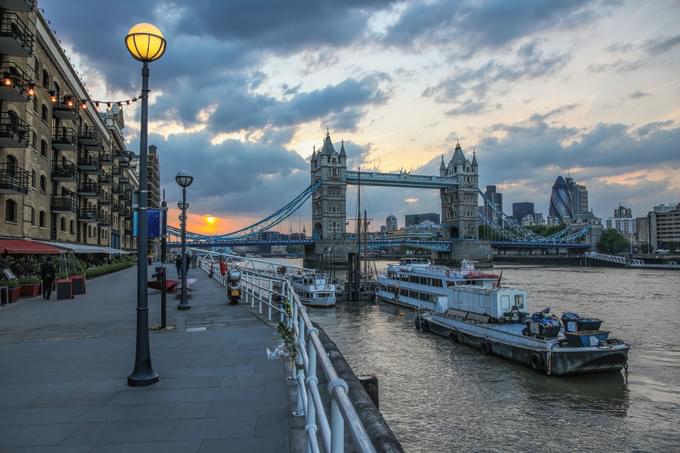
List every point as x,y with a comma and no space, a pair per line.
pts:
465,249
328,255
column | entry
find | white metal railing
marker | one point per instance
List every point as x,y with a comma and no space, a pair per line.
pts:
608,258
263,286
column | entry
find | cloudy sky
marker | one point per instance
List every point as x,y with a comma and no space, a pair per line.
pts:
538,88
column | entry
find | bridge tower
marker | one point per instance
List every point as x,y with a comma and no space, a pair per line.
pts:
459,203
329,201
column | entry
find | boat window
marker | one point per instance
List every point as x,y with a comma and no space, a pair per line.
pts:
436,282
505,302
403,292
519,301
450,284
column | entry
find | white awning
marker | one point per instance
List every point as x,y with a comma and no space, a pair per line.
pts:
81,249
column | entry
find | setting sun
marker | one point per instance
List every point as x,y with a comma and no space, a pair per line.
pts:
210,220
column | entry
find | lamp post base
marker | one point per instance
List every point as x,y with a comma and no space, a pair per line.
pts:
184,307
142,379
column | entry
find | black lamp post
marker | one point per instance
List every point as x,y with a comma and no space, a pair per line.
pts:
184,180
145,43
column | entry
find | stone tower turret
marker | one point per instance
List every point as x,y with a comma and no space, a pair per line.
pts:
329,201
459,204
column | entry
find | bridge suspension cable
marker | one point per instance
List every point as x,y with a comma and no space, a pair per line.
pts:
265,224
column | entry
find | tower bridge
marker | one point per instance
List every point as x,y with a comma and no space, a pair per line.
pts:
457,184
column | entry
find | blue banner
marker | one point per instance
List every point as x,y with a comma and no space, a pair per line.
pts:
153,225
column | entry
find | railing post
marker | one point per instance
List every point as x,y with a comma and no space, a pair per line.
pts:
310,417
269,305
337,422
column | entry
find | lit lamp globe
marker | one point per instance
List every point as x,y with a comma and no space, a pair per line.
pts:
145,42
184,178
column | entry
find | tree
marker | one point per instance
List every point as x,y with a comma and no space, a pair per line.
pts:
612,241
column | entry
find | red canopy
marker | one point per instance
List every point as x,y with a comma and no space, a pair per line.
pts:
23,247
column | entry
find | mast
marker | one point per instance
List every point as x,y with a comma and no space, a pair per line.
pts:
357,270
365,245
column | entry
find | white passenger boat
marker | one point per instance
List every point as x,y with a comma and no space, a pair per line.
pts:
314,289
417,283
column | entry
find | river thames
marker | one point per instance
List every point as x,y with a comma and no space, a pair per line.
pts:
438,396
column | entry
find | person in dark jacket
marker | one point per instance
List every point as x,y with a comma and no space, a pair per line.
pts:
47,274
178,265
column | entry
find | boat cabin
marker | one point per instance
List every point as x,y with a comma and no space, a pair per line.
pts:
496,303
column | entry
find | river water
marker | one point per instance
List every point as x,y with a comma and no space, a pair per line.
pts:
438,396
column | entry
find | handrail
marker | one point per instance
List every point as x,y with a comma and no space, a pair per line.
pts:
267,288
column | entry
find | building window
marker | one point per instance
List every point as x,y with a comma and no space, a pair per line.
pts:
63,224
57,88
33,179
43,220
46,79
11,211
32,215
43,148
11,164
43,184
35,104
34,140
71,227
37,69
44,114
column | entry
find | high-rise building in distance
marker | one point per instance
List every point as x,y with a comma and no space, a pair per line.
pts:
493,205
415,219
522,209
391,224
568,200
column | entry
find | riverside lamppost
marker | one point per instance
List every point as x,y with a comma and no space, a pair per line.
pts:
145,43
184,180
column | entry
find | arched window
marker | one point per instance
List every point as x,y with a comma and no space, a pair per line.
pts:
43,147
71,228
57,88
46,79
43,184
35,104
34,140
33,179
11,211
43,219
44,113
63,224
32,215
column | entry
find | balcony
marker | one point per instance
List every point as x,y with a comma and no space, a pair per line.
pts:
16,40
124,163
67,172
104,198
124,180
88,215
65,203
115,189
89,137
88,189
126,211
87,163
104,219
16,85
23,6
13,131
64,108
116,207
105,178
13,180
64,138
106,158
116,171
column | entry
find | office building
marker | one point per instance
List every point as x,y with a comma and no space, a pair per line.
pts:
521,210
622,221
415,219
391,224
493,205
664,227
568,200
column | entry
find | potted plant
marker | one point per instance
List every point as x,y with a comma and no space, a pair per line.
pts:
30,286
13,289
64,286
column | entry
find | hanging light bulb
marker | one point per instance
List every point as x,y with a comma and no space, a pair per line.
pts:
31,90
69,102
7,80
53,97
83,105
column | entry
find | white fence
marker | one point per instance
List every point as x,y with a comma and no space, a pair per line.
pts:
264,287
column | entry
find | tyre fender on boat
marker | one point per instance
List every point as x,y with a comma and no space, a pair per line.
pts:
485,347
424,325
453,336
536,362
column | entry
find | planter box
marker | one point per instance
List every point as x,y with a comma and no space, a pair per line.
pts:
14,293
30,290
64,289
78,284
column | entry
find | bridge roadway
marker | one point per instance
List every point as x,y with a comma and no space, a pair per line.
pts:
65,365
369,178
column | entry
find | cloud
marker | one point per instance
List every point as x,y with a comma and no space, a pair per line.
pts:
618,66
468,90
639,94
474,26
621,47
661,44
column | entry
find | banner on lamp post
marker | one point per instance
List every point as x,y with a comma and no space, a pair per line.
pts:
154,221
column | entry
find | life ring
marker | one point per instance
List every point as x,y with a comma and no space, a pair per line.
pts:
536,362
485,347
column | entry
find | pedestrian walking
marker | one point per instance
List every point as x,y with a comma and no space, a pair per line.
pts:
47,274
178,265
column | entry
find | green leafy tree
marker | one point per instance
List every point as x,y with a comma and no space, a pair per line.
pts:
612,241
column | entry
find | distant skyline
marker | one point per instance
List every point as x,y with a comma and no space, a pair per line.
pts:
538,89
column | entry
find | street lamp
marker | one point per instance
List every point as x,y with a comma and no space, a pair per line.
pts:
184,180
145,43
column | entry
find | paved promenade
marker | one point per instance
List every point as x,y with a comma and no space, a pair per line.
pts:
64,367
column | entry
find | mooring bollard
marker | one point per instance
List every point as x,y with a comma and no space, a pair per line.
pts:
370,383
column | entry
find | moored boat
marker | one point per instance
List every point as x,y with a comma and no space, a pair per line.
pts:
497,321
417,283
314,289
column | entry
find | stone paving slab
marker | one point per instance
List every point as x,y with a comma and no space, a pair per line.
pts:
64,367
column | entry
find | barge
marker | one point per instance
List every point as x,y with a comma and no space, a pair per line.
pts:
496,321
